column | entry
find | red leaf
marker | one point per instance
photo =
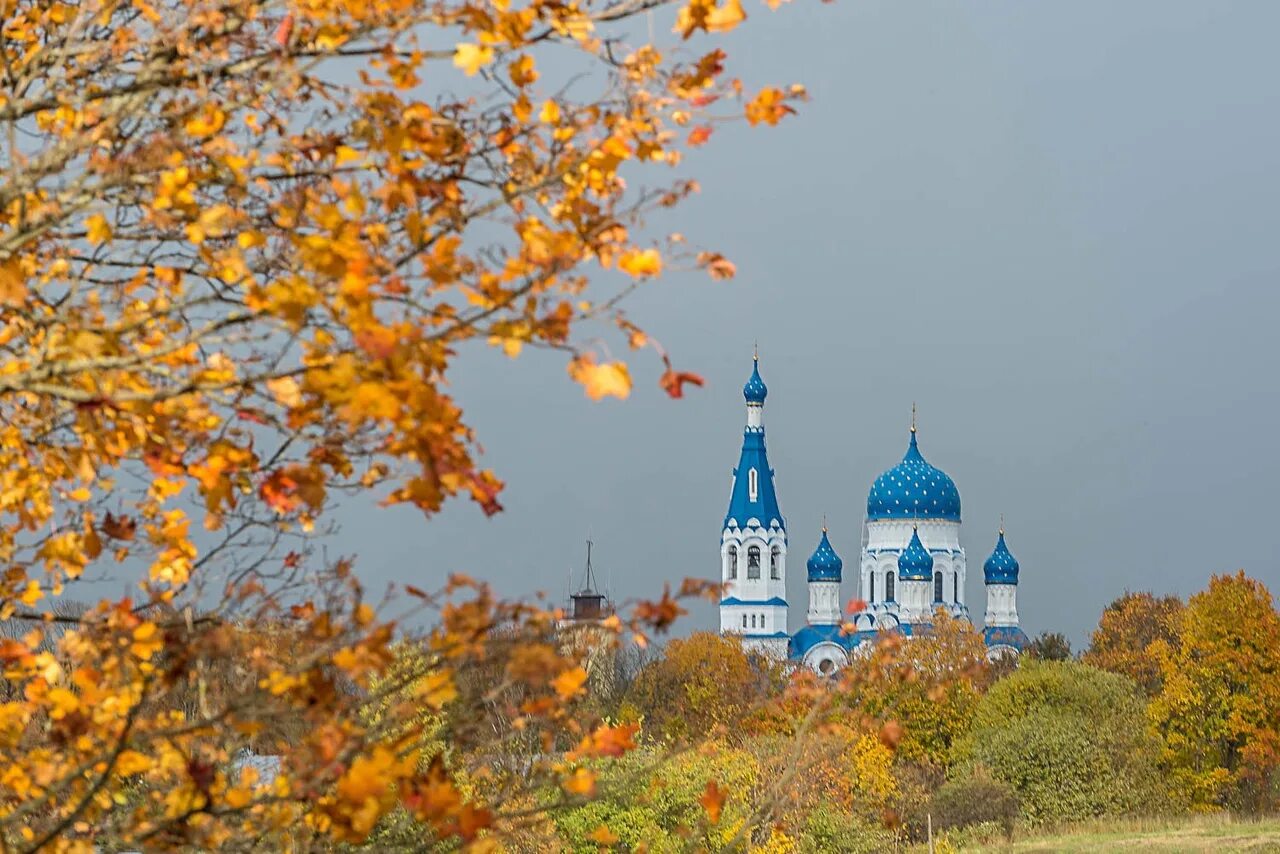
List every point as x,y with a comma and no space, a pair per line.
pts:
699,135
284,31
673,382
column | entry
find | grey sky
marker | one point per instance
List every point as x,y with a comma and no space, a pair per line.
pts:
1056,226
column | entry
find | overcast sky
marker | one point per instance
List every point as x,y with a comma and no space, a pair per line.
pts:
1055,226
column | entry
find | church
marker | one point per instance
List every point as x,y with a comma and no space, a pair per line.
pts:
911,563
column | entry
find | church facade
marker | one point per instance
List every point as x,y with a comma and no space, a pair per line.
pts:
911,562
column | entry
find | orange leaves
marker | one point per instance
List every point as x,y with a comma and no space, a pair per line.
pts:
367,791
570,683
712,801
610,379
146,641
581,782
605,741
673,382
891,734
717,266
768,107
521,71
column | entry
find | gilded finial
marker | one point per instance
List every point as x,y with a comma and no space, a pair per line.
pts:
1002,524
755,351
913,416
824,523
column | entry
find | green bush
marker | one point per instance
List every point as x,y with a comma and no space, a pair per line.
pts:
976,799
1071,741
828,829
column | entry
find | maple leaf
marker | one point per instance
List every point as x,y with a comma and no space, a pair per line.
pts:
569,683
603,836
890,734
717,266
601,380
699,135
472,57
641,262
581,782
726,17
768,107
97,229
673,382
712,801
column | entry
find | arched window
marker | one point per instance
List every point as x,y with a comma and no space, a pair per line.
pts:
888,586
937,586
753,485
753,621
753,562
871,594
955,587
733,563
775,561
744,621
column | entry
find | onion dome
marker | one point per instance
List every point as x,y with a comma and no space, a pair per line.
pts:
913,489
755,390
915,564
824,564
1002,566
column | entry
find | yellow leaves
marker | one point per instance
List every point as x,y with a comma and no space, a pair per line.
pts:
550,113
175,190
610,379
706,15
97,229
32,594
132,762
569,683
61,702
212,222
581,782
436,689
726,17
146,641
472,57
522,71
641,262
286,391
207,122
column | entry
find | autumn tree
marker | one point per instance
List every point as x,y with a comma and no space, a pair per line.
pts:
1127,632
930,689
1049,646
1218,710
241,245
702,684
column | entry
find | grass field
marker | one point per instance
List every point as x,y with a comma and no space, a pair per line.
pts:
1153,836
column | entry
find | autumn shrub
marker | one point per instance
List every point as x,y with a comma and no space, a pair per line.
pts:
977,798
1069,739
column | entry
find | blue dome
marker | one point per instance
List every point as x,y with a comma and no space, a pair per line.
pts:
913,489
755,390
915,564
1002,566
1010,637
825,564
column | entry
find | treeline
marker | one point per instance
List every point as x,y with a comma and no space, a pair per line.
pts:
1174,707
